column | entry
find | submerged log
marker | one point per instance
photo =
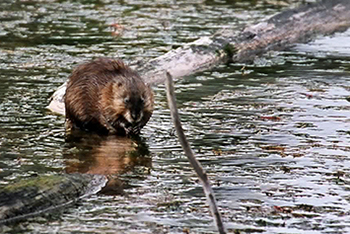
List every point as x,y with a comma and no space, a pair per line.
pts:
94,159
277,33
41,195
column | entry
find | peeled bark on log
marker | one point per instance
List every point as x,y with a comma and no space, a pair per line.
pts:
277,33
39,195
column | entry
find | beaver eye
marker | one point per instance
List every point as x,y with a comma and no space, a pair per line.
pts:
126,100
142,100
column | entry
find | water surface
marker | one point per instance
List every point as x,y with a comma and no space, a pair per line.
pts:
274,136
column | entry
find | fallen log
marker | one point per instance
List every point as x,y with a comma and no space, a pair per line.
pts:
44,194
277,33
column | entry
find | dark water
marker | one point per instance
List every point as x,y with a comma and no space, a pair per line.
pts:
274,136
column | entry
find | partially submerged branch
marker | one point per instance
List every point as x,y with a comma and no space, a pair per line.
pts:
189,153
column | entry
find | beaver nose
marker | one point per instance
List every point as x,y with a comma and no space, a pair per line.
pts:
134,115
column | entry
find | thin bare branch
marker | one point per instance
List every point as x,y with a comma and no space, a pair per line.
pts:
209,193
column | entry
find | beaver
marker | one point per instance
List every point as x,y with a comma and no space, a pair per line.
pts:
108,97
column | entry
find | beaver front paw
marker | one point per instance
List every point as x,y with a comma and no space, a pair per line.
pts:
128,130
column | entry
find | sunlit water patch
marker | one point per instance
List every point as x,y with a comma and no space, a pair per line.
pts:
338,46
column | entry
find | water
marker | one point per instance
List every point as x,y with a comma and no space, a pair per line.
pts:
274,136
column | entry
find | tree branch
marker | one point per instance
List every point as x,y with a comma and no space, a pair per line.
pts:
189,153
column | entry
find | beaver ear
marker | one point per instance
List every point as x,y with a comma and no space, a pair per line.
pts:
117,89
117,86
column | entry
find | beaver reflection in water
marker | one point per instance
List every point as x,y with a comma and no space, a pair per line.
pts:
107,96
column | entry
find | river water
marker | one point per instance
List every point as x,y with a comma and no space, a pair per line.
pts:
274,136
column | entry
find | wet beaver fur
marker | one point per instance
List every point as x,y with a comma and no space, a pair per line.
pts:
106,96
